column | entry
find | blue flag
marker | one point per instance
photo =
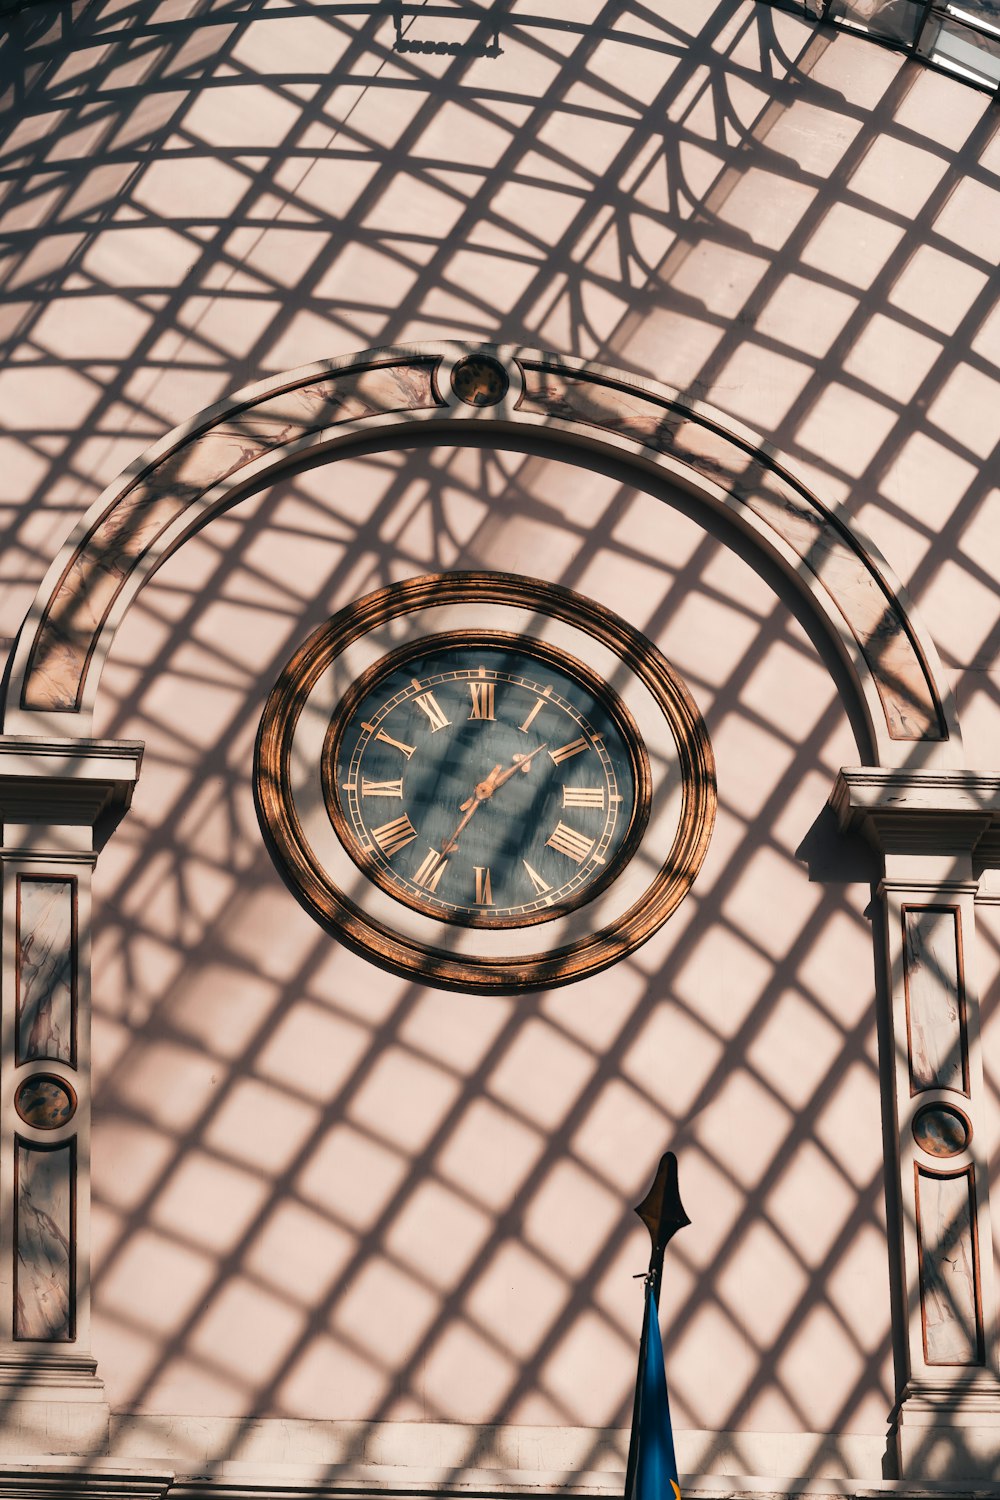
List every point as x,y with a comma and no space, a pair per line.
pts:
656,1465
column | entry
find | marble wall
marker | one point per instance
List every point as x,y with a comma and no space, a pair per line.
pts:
324,1193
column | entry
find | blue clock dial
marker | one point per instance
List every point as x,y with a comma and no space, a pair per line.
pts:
487,780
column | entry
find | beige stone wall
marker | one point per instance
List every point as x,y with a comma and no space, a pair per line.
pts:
377,1201
321,1192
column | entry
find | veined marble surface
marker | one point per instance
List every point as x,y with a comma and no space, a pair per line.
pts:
948,1269
937,1041
45,998
44,1225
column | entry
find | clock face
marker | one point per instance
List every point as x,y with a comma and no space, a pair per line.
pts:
485,779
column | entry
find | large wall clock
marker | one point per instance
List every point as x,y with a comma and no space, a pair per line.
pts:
484,781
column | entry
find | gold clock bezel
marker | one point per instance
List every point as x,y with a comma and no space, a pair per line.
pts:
541,652
393,947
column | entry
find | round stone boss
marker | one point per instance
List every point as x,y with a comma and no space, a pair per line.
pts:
374,879
941,1130
45,1102
479,380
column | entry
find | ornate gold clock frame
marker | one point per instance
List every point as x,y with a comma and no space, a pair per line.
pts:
308,838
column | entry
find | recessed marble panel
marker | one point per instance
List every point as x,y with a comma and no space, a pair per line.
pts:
46,971
43,1236
948,1268
935,1010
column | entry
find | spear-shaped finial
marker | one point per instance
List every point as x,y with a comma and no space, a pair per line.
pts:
662,1213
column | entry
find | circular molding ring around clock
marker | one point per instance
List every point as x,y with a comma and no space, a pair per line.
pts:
389,785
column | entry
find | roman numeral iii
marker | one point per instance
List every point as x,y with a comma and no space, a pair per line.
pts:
583,796
394,835
570,842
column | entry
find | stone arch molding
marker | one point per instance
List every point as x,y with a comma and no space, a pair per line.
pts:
385,396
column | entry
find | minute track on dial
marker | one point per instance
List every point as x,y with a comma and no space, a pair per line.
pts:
342,717
483,744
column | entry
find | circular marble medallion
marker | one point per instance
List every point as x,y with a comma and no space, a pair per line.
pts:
479,381
45,1102
941,1130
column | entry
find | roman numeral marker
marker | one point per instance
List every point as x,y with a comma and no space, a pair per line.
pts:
484,890
394,835
539,705
566,752
482,699
381,788
570,842
387,739
541,886
430,871
432,708
583,796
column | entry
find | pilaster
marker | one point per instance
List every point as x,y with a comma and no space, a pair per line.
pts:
59,802
932,829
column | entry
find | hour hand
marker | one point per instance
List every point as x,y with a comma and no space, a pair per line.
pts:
468,807
485,789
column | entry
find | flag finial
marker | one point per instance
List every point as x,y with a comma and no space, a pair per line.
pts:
661,1210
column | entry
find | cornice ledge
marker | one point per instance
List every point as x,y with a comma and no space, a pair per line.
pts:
80,1479
68,782
903,811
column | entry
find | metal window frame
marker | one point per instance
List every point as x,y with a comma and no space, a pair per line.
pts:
942,10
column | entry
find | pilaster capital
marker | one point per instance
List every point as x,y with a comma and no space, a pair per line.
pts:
899,811
68,783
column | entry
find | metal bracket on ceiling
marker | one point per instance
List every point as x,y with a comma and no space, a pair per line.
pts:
478,36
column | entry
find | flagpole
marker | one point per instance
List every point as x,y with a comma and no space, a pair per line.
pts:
633,1442
663,1214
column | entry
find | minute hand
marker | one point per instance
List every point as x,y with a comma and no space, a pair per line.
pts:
519,765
